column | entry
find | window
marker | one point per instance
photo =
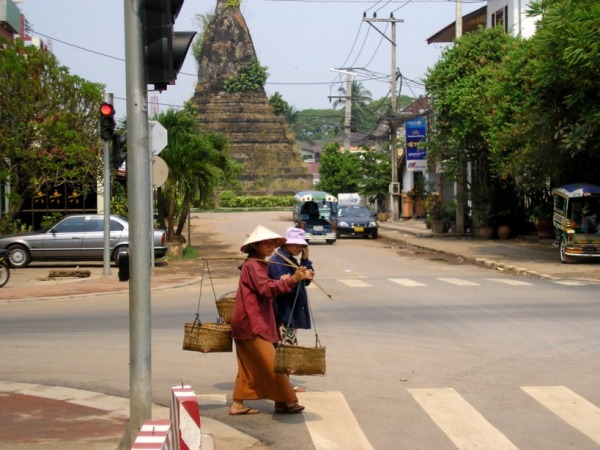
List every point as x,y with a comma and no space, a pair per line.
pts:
71,225
500,18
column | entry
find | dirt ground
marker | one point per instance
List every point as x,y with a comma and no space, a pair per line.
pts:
213,253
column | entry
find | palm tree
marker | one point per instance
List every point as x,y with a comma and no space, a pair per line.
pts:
195,163
360,99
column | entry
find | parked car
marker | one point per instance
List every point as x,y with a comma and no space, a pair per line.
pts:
356,220
77,237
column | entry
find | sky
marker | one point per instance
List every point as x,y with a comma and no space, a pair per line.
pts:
299,41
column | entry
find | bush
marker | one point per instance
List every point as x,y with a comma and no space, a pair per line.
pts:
228,199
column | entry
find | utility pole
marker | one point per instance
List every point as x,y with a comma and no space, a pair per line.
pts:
138,193
394,191
460,186
348,107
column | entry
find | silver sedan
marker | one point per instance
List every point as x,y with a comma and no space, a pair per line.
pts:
77,237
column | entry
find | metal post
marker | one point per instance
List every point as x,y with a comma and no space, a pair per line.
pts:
138,193
460,182
108,98
348,112
394,115
394,132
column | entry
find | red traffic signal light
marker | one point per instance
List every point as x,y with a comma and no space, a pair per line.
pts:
107,121
107,110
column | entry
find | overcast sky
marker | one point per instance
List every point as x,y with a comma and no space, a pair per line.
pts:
298,40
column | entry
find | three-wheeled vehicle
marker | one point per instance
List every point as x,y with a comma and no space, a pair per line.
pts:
315,212
576,226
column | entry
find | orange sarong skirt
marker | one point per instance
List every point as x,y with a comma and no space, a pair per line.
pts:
256,377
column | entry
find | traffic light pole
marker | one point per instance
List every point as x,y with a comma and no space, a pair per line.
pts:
108,98
138,193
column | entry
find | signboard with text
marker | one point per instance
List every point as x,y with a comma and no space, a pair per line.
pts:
416,134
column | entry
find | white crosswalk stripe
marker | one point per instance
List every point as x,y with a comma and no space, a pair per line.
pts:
510,281
571,283
458,282
352,282
332,424
570,407
463,425
406,282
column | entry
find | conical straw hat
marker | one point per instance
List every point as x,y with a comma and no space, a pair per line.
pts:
261,233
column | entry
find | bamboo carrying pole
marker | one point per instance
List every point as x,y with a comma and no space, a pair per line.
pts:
267,262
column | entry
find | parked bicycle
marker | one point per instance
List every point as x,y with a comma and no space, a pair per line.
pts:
4,267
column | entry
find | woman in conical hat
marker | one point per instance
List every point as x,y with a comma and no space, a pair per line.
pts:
254,329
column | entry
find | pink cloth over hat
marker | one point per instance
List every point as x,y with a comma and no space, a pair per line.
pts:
295,236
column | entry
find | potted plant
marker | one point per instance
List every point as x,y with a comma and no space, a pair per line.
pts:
483,224
437,213
541,217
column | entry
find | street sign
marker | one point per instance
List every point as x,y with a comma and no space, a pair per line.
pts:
158,137
160,172
416,155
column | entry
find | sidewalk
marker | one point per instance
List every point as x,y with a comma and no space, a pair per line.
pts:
524,255
56,418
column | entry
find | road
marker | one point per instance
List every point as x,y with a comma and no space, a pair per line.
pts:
421,353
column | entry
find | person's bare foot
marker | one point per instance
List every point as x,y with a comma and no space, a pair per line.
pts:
239,409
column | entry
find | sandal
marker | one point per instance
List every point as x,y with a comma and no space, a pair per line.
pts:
294,409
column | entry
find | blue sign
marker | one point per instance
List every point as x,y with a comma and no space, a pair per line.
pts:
416,154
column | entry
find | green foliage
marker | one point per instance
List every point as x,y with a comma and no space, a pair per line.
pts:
197,164
202,21
375,168
118,201
251,77
228,199
48,124
233,3
50,219
10,226
338,170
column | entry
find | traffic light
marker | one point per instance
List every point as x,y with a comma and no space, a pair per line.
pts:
164,49
107,121
118,155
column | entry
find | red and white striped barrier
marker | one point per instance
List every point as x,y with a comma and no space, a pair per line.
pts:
155,435
185,416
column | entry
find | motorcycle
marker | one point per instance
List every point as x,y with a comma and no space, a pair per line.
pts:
4,267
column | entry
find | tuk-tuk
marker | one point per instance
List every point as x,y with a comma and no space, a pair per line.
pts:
575,219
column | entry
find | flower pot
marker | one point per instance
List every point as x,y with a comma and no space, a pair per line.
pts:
438,226
485,232
545,227
503,231
382,216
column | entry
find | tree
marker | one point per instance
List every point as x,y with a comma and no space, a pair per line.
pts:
338,170
360,99
458,86
196,164
48,123
375,168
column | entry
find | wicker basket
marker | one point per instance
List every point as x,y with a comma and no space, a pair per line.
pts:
225,306
296,360
207,337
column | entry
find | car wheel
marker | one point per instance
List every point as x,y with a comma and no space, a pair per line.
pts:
330,241
375,235
563,253
19,256
115,255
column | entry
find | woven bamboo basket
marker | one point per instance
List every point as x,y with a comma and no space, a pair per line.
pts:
296,360
225,306
207,337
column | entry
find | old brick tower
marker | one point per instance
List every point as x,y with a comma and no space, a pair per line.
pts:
259,138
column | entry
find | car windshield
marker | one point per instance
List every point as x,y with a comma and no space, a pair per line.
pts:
356,211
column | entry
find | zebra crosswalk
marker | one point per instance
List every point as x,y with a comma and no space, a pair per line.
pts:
412,283
332,425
